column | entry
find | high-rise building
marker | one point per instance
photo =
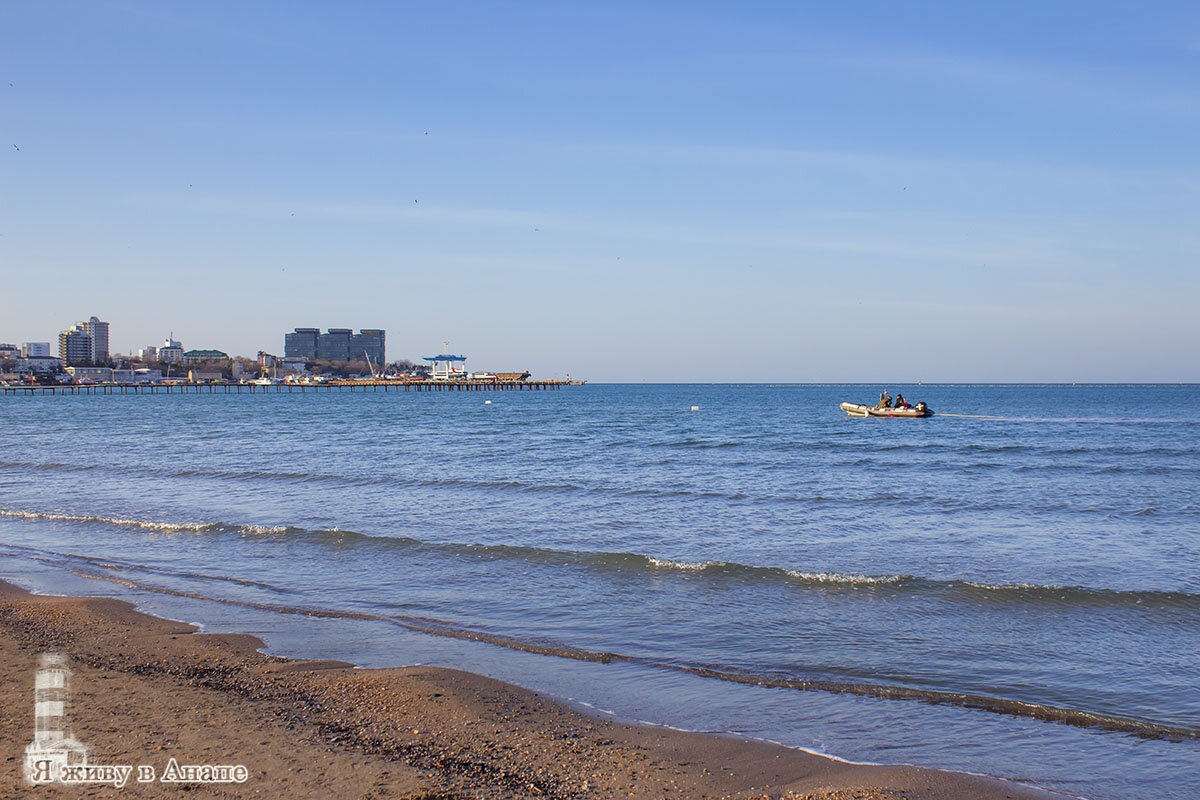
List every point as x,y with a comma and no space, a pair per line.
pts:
334,344
85,344
369,343
98,331
75,347
301,343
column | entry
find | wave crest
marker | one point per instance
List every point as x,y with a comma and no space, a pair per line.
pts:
963,590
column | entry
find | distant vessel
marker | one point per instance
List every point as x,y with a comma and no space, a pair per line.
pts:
861,410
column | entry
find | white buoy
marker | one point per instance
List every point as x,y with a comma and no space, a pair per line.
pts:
487,402
695,408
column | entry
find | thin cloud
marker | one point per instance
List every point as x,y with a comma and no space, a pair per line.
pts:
616,233
1093,85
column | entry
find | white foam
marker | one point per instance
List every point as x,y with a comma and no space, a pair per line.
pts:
122,521
127,522
838,577
666,563
263,529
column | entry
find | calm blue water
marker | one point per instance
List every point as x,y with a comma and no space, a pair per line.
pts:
1018,596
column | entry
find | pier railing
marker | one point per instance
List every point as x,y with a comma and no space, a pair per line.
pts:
229,387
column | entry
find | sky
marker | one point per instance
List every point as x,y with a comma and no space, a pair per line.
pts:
622,191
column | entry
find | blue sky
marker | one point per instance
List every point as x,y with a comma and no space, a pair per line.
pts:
623,191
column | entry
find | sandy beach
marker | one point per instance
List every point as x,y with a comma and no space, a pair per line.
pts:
146,690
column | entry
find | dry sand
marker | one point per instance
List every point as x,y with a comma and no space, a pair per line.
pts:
145,690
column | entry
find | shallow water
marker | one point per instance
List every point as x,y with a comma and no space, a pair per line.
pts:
1016,596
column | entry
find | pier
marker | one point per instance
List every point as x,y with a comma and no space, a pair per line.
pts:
228,387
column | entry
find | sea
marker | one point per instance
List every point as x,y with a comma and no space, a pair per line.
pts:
1010,587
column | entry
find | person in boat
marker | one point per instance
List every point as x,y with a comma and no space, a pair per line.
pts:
885,400
900,402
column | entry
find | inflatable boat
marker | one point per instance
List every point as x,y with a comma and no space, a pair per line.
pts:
860,410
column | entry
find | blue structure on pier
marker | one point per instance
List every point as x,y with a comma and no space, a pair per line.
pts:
447,367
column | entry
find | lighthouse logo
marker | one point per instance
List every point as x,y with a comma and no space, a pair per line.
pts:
54,751
56,756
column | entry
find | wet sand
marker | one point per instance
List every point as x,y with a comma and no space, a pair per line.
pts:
145,690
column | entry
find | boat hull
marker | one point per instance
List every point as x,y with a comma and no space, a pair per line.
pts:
860,410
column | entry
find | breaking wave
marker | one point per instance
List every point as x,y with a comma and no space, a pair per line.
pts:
1147,729
117,521
962,590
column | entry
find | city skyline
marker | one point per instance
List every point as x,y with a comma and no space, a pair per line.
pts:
752,193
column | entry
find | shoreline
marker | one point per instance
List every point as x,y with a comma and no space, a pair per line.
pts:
146,689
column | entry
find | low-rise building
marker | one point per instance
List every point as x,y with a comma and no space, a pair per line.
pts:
293,365
35,349
171,351
196,356
146,375
40,364
204,376
91,374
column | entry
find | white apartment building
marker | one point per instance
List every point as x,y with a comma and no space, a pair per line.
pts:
35,350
